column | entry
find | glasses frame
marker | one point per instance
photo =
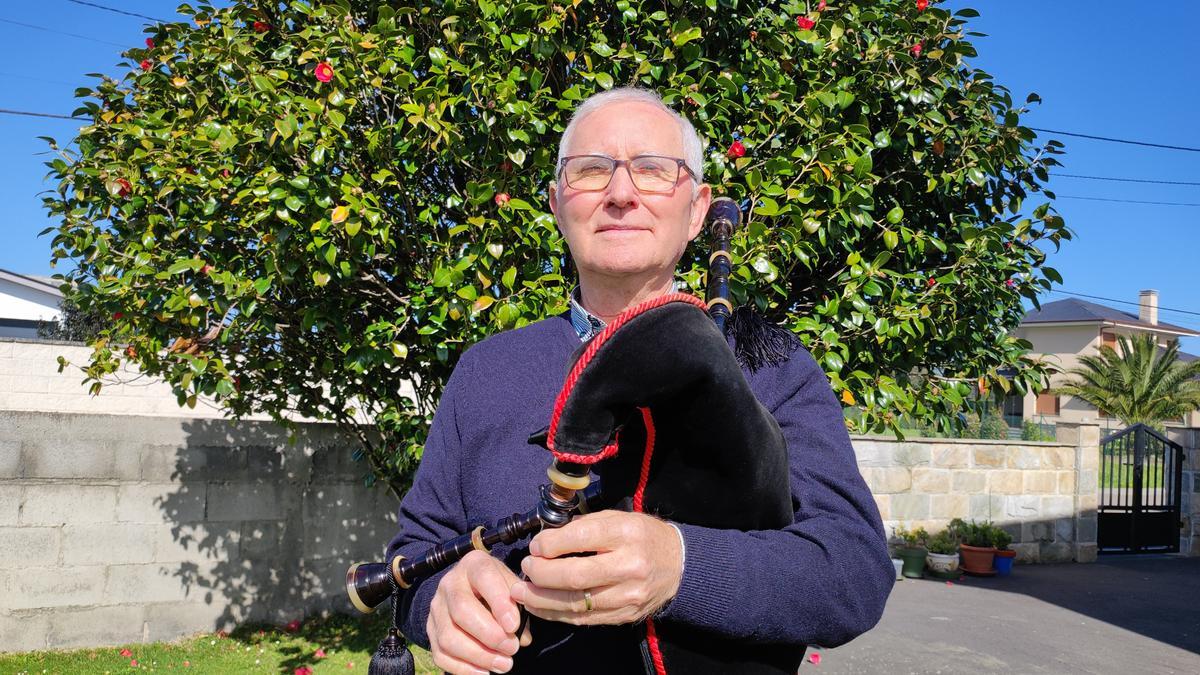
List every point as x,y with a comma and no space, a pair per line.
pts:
618,163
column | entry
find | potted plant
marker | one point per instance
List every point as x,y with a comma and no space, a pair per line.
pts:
976,548
1004,555
912,551
942,557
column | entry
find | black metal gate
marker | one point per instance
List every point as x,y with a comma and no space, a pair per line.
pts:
1141,475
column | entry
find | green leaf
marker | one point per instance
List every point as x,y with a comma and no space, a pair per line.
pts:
895,216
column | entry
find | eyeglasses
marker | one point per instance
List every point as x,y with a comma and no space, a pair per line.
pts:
649,173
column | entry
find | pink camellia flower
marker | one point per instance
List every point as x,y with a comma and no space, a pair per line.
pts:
133,663
922,5
805,23
814,658
916,49
1010,283
261,26
736,149
502,199
320,653
821,8
149,43
303,670
293,626
324,72
187,664
146,64
125,652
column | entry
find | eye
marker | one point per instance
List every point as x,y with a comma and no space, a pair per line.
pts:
653,166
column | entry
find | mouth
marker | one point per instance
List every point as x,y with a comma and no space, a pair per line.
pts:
614,227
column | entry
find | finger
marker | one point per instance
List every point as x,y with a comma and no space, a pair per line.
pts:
491,583
538,599
456,644
468,612
578,574
526,636
601,531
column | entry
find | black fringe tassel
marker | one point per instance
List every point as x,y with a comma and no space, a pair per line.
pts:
392,657
758,342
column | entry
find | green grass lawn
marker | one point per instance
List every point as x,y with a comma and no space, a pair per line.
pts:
347,643
1121,476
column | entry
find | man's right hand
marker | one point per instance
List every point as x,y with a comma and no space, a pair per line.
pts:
472,620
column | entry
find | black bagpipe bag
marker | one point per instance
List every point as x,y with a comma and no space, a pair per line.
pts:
718,458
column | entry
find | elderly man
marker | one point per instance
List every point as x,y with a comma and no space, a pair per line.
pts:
628,197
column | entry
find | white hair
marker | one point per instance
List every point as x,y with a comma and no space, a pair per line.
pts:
693,148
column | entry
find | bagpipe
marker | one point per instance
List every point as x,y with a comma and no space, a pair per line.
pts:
660,398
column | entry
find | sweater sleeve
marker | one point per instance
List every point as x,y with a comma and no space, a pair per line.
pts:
831,564
432,510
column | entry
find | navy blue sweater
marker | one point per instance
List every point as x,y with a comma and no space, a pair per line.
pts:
822,580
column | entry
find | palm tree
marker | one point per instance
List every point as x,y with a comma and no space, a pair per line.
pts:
1142,383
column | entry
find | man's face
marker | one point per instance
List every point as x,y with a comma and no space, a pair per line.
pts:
619,231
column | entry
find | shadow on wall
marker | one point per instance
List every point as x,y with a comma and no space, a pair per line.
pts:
264,529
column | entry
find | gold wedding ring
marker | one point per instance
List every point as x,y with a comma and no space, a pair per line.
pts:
587,600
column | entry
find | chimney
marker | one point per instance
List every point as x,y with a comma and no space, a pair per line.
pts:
1148,307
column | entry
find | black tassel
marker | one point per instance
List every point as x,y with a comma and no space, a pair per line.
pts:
392,657
758,342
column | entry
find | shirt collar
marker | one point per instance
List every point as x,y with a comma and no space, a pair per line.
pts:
586,324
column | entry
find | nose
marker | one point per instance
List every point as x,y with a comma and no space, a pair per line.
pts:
621,192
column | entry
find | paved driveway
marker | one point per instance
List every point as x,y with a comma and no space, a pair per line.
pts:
1121,615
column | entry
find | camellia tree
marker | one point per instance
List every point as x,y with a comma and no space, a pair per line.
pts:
312,207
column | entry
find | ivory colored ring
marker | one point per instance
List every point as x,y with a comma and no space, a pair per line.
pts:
477,539
569,482
396,572
587,601
721,301
718,252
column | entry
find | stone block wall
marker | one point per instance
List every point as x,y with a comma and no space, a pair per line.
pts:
1043,494
1189,537
121,529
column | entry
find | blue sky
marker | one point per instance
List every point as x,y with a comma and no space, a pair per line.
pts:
1095,75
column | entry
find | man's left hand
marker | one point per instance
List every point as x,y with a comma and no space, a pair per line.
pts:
635,570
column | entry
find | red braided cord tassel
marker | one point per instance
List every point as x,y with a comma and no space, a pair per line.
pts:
586,357
639,494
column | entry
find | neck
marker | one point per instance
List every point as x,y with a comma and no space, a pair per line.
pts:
608,298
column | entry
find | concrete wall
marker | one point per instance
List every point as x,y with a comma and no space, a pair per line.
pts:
117,529
1044,494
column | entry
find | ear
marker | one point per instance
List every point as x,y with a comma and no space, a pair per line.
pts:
553,190
699,210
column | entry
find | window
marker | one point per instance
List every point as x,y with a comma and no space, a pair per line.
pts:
1108,339
1047,403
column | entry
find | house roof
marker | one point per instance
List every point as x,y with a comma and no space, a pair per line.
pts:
43,284
1074,310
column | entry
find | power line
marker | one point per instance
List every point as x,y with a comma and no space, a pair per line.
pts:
5,111
118,11
1118,140
1126,180
1126,302
1128,201
62,32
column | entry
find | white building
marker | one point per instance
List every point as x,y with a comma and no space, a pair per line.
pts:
25,301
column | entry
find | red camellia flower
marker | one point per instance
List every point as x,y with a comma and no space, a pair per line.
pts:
736,149
916,49
805,23
293,626
1010,283
261,26
502,199
131,352
932,282
117,317
303,670
124,187
320,653
149,43
226,173
126,653
814,659
753,35
207,269
146,64
133,663
324,72
922,5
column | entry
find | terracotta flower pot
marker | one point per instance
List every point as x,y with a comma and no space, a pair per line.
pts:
977,560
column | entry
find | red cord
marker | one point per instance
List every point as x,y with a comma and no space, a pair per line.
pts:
585,359
639,494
